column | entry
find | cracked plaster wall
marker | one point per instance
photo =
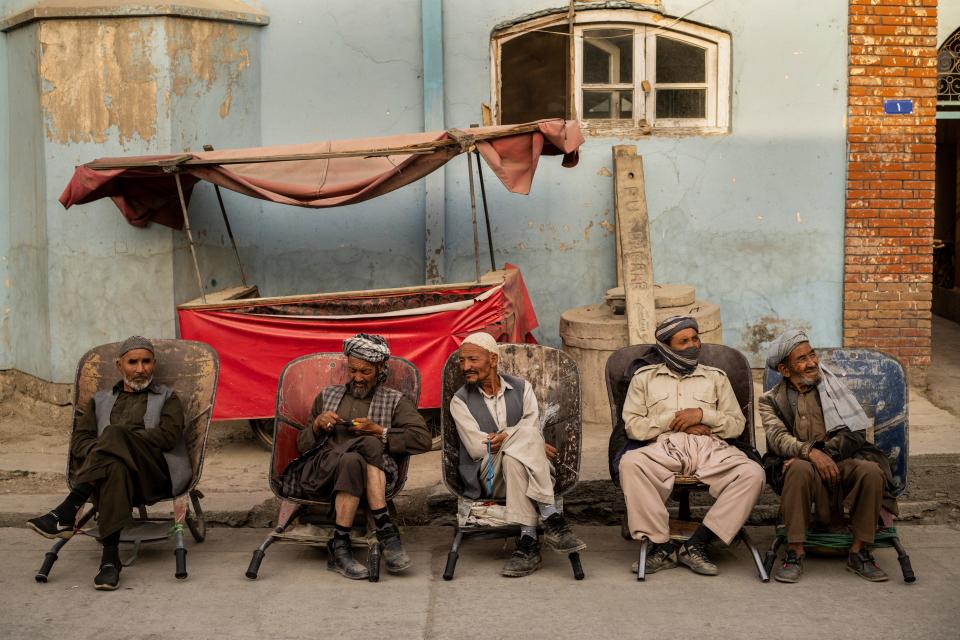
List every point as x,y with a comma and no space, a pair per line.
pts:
81,89
738,216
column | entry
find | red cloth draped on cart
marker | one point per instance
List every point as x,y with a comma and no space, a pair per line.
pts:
144,190
255,344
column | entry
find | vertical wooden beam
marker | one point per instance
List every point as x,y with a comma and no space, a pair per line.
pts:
431,20
633,232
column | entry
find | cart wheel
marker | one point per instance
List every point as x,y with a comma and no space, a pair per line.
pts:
196,522
263,430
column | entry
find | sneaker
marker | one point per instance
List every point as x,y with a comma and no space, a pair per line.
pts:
342,561
790,569
394,556
49,526
696,557
525,559
659,557
559,536
108,578
863,564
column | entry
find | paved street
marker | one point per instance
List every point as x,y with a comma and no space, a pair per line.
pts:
296,597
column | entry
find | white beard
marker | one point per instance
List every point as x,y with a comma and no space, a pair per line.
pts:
138,386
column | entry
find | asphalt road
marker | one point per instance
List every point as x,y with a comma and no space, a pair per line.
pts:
296,597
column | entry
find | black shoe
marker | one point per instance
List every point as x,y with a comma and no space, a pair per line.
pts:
394,556
525,559
863,564
697,558
559,537
108,578
659,557
49,526
342,561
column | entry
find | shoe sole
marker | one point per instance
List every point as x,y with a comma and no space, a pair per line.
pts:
61,535
400,569
519,574
580,547
867,578
105,587
662,567
786,580
700,572
336,569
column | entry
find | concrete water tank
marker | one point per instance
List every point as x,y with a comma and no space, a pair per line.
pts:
592,333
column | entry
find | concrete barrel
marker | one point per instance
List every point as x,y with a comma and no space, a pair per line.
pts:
592,333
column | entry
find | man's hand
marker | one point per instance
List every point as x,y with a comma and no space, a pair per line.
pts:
699,430
825,466
686,418
497,440
550,450
325,421
364,426
786,465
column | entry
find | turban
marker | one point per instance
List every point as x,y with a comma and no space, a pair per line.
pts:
135,342
483,340
370,348
682,362
783,344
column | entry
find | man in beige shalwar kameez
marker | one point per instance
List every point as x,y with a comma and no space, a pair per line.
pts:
684,411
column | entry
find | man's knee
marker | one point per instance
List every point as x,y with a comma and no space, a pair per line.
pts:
753,476
868,472
800,473
352,463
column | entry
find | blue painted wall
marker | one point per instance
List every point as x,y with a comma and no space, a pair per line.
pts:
753,219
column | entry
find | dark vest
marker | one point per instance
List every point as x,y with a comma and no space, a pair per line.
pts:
178,460
473,398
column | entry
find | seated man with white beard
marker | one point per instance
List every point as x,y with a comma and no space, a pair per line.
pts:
128,444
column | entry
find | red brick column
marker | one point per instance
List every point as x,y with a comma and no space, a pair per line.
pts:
891,171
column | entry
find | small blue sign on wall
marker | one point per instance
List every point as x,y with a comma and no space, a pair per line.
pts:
898,107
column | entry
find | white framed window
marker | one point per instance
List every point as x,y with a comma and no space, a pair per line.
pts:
633,72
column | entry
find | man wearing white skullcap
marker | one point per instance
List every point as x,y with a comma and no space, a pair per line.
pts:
497,419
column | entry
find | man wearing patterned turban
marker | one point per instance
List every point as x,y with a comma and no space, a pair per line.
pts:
356,431
128,443
678,415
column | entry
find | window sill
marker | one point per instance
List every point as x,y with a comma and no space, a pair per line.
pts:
607,129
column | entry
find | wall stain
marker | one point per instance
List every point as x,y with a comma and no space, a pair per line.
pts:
757,336
97,74
200,52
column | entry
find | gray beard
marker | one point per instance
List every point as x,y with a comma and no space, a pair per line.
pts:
359,394
138,386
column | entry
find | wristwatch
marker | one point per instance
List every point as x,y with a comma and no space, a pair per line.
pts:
383,436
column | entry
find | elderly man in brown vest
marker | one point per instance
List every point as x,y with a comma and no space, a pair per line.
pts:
128,447
348,452
503,453
818,458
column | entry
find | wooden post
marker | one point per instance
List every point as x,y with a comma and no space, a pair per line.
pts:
633,232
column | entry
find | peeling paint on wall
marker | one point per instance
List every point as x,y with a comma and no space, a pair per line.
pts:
203,51
95,75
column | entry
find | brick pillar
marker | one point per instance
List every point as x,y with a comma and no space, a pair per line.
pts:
891,171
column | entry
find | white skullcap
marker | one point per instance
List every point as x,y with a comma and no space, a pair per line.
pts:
483,340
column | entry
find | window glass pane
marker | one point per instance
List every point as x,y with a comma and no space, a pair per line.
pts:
680,62
607,105
533,77
681,103
608,56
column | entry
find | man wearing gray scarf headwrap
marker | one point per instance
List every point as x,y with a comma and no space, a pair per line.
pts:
818,456
354,435
683,412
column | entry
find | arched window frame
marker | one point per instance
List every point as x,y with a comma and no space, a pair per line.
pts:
646,25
